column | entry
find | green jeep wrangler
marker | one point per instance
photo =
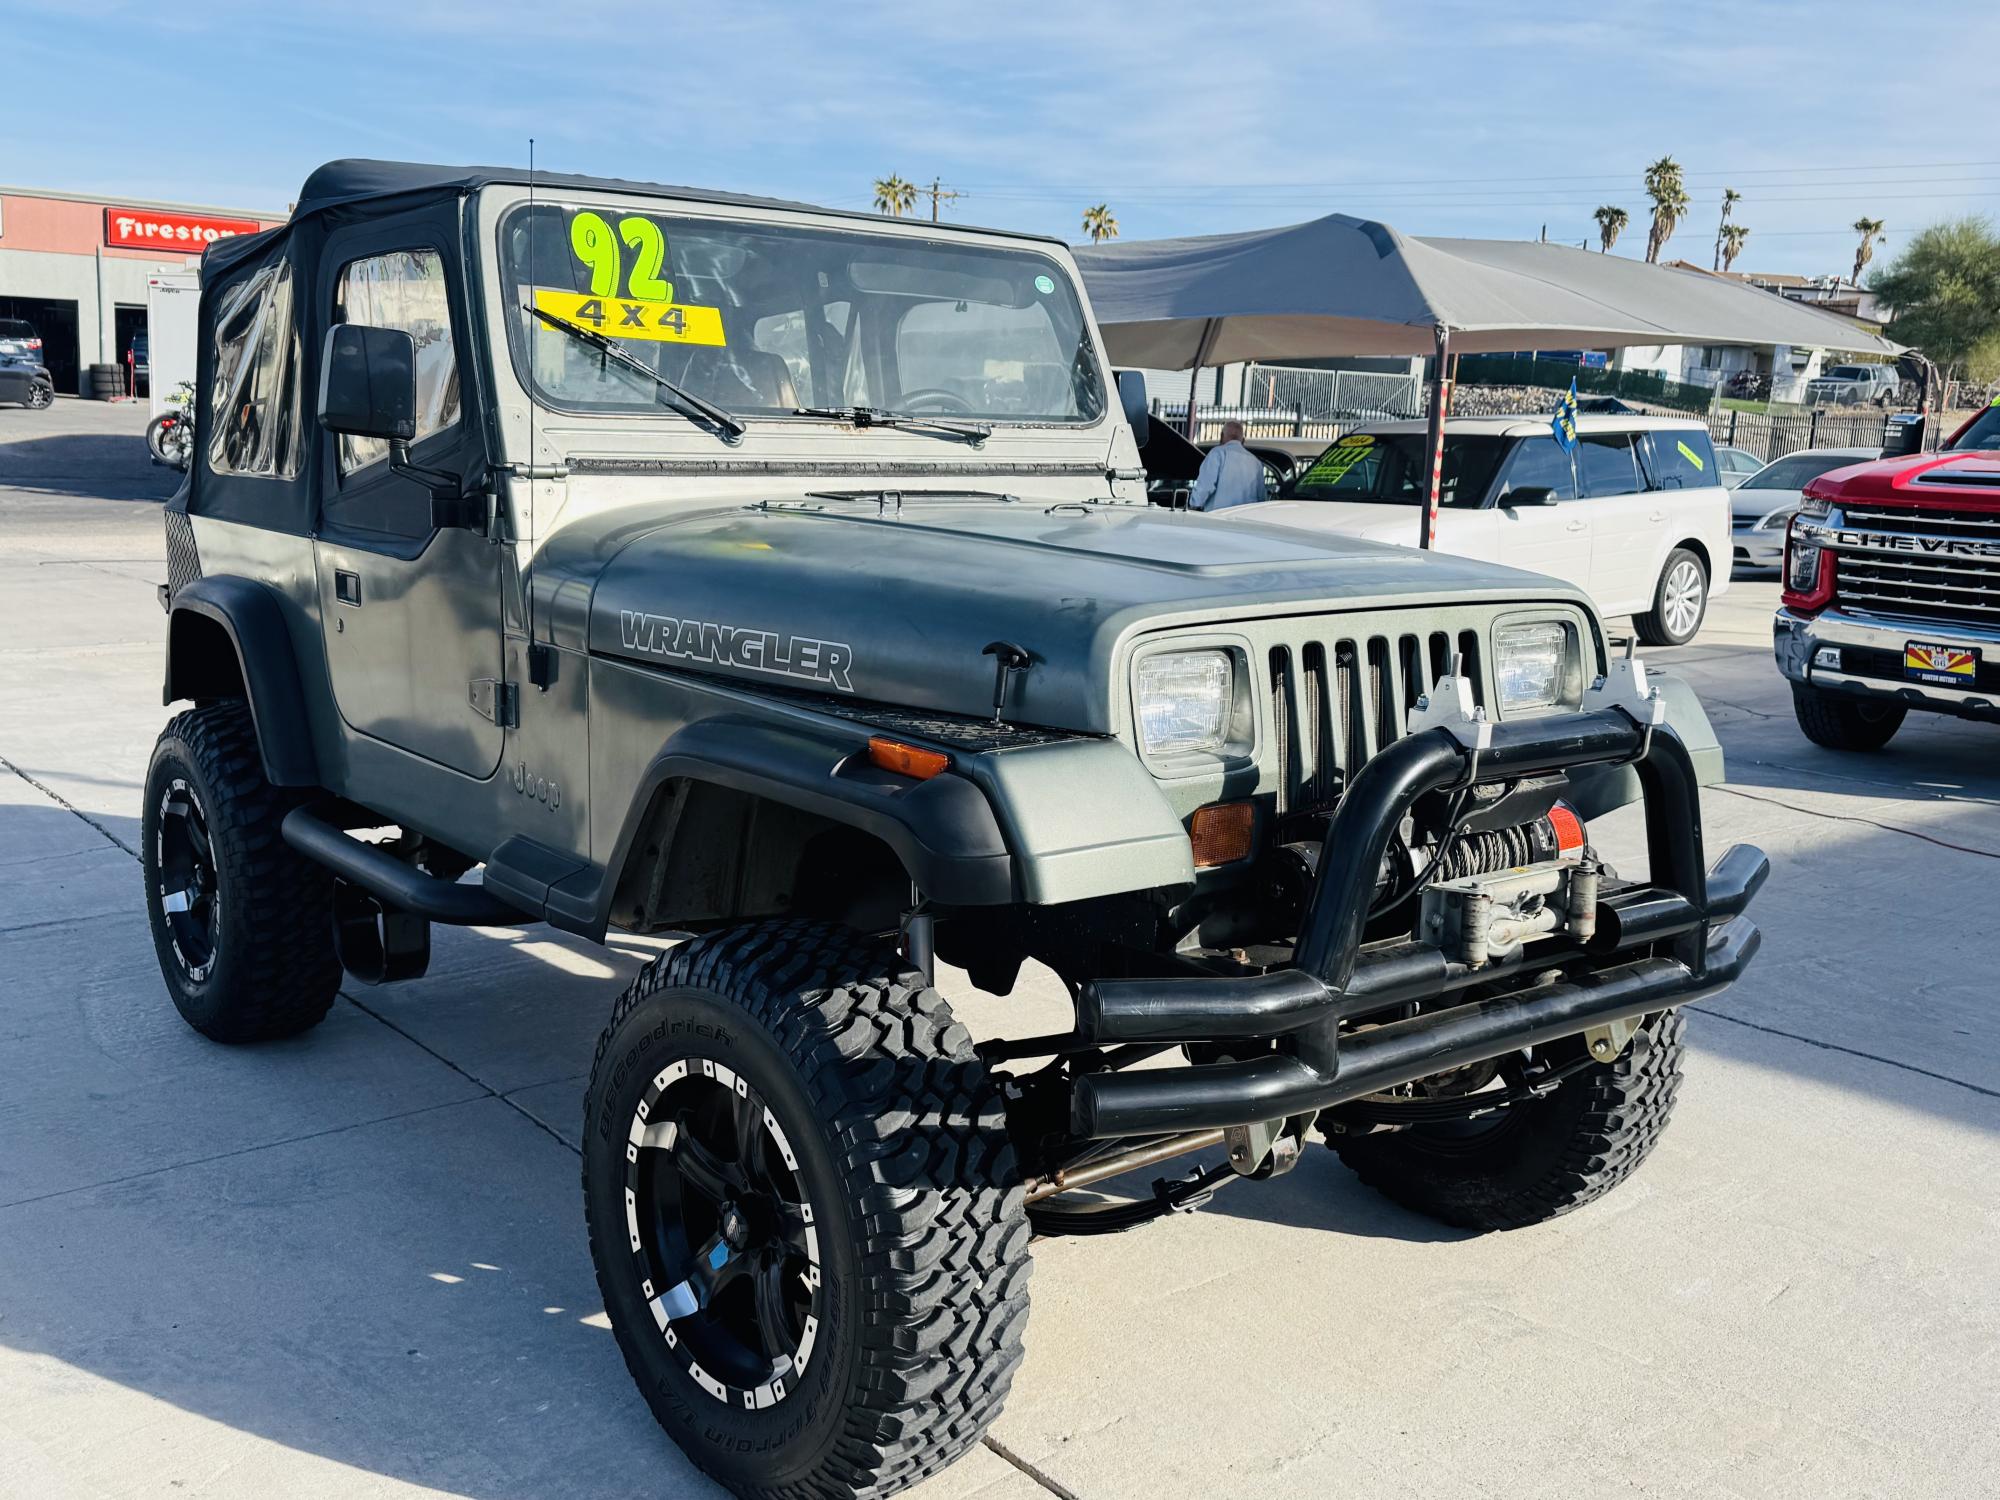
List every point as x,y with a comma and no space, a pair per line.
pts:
612,555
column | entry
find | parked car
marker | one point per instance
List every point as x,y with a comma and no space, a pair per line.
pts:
1736,465
18,336
1892,592
1854,385
1637,517
1762,508
25,381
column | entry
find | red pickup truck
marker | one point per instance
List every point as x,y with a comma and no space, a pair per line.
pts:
1892,592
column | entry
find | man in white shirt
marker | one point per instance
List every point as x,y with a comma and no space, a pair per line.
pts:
1230,475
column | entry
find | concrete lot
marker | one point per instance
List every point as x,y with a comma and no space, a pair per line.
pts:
354,1264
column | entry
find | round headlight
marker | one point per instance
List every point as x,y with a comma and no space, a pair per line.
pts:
1185,701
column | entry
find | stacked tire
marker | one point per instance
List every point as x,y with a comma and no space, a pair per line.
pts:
106,382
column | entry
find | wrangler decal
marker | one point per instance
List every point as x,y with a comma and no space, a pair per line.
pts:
772,651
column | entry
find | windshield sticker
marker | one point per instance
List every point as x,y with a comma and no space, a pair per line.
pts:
753,650
1691,456
1046,285
664,322
1332,466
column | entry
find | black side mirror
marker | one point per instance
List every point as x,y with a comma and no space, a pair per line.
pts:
1132,396
1534,494
368,382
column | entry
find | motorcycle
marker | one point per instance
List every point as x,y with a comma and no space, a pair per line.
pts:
170,435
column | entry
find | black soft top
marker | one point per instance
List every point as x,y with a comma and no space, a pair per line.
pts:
356,181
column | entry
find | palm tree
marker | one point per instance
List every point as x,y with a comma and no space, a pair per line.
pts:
1730,198
1099,225
1733,236
1668,191
1870,231
893,196
1609,222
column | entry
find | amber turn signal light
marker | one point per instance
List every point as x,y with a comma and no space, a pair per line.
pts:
1220,833
907,760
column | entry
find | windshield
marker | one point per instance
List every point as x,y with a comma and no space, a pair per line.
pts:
1797,470
1847,372
1983,433
1392,467
762,319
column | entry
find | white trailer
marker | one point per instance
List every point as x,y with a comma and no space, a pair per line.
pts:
171,327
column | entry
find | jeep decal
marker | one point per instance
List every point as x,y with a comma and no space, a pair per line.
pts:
754,650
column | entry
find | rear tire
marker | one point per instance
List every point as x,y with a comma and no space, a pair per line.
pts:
1537,1159
242,922
1680,602
1843,721
790,1107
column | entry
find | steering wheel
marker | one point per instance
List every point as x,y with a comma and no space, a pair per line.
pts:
940,401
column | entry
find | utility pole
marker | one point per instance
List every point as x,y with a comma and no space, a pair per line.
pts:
937,192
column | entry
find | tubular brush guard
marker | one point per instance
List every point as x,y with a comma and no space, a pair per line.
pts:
1689,914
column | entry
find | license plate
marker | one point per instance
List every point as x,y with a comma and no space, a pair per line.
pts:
1953,666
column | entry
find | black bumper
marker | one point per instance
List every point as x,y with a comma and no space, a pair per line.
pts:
1678,939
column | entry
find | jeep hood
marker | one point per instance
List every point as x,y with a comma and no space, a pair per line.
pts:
868,600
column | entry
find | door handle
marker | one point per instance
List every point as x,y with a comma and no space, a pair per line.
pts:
346,586
1657,516
1576,526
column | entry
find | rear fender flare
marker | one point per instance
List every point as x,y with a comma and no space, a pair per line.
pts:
265,673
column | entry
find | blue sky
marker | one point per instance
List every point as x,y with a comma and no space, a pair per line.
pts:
1436,116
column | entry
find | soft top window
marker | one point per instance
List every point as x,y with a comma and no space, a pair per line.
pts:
254,393
761,319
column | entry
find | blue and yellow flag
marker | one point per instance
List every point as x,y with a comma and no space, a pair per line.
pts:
1563,423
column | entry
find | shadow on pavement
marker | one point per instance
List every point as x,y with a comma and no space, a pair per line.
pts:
100,466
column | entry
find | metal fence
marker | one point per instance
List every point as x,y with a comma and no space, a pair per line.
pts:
1773,435
1265,421
1328,395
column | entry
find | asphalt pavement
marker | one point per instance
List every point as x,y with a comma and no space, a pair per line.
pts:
354,1264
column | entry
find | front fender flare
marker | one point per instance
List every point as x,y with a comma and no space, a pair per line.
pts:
249,614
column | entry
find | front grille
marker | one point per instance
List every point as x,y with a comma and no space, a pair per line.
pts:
1980,525
1339,699
1963,588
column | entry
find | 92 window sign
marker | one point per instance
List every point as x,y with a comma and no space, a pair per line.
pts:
152,229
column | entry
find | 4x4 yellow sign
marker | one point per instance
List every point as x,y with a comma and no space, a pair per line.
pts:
616,318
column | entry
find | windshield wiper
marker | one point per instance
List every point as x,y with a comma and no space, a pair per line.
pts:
874,416
686,400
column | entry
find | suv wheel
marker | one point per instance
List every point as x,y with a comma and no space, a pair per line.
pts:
1842,721
242,923
804,1212
1533,1160
1679,602
41,396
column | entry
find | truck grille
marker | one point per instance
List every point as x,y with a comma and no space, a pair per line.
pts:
1340,699
1922,587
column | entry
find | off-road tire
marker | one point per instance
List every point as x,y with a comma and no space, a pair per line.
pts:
902,1148
1655,627
1843,721
1544,1157
274,971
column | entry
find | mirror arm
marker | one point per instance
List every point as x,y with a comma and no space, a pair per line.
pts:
452,508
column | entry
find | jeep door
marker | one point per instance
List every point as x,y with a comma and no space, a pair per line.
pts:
1554,538
411,611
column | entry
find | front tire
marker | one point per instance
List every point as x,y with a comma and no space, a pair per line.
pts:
1534,1160
1680,601
1842,721
804,1212
41,397
242,922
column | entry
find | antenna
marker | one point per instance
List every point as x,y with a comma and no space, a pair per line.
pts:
534,337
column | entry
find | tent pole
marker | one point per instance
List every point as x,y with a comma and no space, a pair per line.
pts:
1209,332
1440,399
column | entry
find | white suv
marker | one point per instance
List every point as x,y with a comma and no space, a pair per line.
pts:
1637,516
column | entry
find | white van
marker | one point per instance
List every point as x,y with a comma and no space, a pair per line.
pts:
1637,516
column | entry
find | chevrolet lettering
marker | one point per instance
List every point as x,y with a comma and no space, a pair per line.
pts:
781,582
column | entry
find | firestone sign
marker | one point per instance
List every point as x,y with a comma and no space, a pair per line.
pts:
151,229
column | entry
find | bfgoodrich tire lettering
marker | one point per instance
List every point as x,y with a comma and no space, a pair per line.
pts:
242,923
901,1152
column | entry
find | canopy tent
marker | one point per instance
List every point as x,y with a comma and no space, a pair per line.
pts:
1346,286
1341,285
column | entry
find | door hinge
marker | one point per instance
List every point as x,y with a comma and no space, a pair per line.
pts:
492,699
